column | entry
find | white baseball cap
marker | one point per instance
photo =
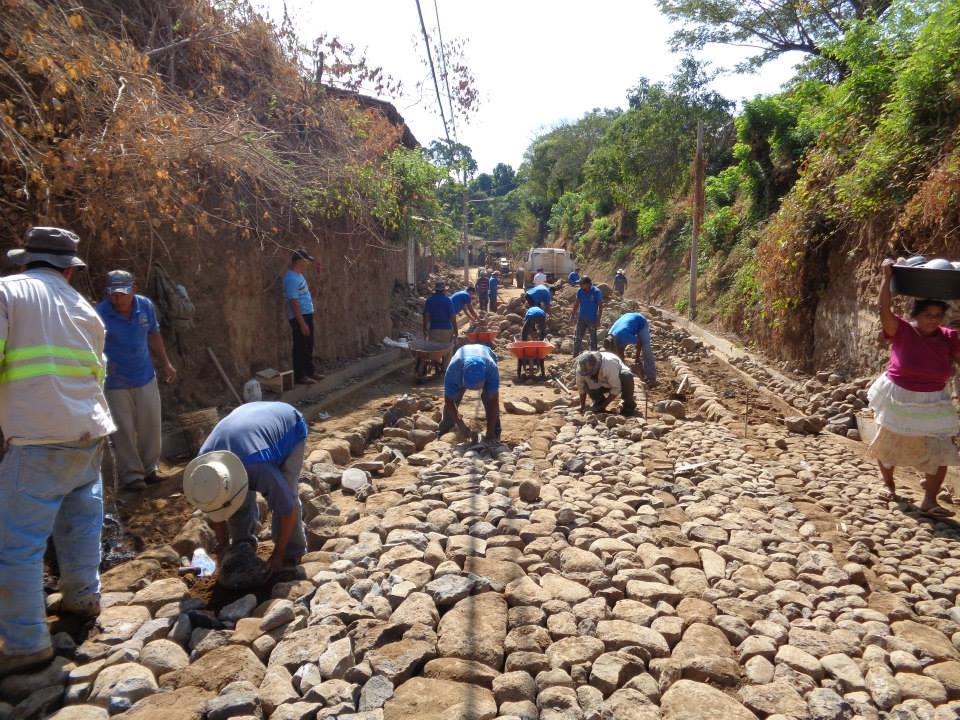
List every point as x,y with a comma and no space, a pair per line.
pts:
216,483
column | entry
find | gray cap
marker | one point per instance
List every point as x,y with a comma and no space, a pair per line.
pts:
50,245
588,363
120,281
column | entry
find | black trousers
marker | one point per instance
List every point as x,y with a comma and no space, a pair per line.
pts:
601,396
302,348
535,323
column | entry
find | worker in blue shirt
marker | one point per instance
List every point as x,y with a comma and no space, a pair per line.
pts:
472,367
439,317
539,296
494,283
574,277
535,319
463,300
256,448
633,329
299,304
131,385
587,309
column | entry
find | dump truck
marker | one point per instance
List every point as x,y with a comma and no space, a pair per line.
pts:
557,263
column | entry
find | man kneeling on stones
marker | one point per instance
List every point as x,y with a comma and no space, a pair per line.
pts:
472,367
256,448
604,377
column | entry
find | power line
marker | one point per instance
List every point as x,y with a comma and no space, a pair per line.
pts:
433,72
443,66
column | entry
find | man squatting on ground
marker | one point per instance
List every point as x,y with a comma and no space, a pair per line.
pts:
604,377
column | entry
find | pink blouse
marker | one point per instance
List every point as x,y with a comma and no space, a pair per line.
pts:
922,363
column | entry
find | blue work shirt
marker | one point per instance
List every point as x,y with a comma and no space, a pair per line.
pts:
540,295
440,309
493,287
633,329
295,288
459,299
128,355
574,278
453,384
262,435
535,312
589,303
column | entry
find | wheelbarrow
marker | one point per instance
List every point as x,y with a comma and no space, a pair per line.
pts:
530,355
430,359
484,337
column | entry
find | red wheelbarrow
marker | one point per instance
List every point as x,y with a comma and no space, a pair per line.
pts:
484,337
530,355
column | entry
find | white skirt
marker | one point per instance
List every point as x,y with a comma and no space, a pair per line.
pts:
909,412
916,428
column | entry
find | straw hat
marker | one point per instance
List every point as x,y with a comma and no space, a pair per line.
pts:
216,482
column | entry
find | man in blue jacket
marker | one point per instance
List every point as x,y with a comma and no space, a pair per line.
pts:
256,448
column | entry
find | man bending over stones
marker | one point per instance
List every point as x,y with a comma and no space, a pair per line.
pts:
472,367
604,377
256,448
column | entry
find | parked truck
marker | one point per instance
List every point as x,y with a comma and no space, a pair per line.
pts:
555,262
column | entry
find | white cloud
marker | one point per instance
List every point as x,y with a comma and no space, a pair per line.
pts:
537,62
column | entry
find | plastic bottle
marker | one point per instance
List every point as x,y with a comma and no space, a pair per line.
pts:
203,561
252,392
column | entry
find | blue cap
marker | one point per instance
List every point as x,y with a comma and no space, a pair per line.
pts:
474,372
119,281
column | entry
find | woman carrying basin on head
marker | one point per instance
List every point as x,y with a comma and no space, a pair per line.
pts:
910,401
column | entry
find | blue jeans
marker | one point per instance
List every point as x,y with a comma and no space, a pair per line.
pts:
242,525
44,490
584,325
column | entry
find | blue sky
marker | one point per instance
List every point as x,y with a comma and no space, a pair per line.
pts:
537,62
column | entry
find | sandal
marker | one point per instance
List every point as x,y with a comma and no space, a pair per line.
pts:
889,496
936,511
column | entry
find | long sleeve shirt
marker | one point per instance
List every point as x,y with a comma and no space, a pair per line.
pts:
52,365
608,377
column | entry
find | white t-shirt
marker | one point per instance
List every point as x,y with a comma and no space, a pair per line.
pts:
540,278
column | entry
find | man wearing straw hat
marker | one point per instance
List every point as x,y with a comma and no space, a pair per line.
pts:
256,448
54,418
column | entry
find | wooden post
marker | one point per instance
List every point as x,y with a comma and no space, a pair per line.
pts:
697,221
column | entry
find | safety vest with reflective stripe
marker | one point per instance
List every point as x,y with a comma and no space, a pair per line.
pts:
51,362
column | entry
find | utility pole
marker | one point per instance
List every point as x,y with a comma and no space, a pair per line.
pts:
698,170
466,234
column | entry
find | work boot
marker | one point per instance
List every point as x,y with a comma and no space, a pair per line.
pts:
88,607
10,664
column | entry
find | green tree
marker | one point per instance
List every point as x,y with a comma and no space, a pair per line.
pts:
554,162
771,27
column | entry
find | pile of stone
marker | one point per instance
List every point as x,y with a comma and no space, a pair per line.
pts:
827,400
